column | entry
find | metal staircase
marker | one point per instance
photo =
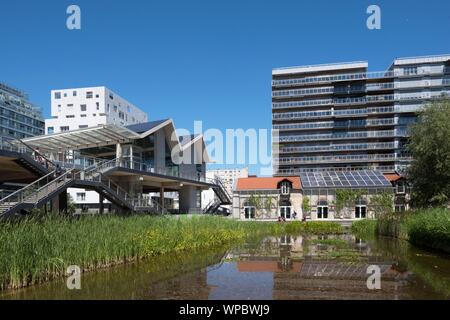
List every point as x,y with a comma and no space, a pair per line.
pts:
26,156
46,188
223,198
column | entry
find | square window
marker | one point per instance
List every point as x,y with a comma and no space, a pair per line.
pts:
57,95
83,107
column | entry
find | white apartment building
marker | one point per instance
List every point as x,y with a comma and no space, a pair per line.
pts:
80,108
229,179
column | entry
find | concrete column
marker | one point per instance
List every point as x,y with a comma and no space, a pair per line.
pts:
188,198
63,202
102,206
161,196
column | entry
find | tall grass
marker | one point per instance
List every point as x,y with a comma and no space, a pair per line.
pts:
34,251
364,228
430,228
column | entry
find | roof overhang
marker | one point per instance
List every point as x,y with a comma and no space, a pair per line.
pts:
83,138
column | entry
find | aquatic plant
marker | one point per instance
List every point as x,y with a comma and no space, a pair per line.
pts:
40,249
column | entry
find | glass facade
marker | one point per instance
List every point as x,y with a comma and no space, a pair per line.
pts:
346,118
18,117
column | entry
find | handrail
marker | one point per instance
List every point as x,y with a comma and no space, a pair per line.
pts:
48,161
19,193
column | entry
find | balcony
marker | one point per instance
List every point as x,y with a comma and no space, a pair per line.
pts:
339,159
333,78
338,148
297,171
342,136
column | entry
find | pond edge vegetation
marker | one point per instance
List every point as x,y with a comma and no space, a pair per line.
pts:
37,250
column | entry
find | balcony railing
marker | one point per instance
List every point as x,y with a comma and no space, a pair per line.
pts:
297,171
342,136
333,78
339,147
338,158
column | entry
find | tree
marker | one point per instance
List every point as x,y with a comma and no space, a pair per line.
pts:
429,146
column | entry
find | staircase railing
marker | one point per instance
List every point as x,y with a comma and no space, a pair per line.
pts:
23,194
17,145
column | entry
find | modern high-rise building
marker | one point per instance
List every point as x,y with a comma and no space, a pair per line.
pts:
343,117
19,118
80,108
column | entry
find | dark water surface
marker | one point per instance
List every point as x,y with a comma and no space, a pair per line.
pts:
287,267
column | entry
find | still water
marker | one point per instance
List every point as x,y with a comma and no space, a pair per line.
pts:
286,267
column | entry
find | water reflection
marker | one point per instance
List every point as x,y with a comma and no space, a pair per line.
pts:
286,267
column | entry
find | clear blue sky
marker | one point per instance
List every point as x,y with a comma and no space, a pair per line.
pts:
203,60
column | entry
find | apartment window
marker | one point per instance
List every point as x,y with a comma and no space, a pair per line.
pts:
89,95
94,114
115,108
57,95
65,95
129,109
70,105
64,129
111,96
81,196
50,130
107,108
97,96
97,104
70,116
410,70
82,126
74,93
83,107
83,115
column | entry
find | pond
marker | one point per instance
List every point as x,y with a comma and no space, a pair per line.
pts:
286,267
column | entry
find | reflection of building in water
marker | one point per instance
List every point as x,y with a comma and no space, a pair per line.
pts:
309,269
189,286
332,279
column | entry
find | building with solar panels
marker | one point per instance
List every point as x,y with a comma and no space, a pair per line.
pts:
319,190
343,117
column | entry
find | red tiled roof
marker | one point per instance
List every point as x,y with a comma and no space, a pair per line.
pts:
263,183
392,177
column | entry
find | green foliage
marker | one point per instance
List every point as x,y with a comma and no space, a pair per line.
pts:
382,203
430,228
346,198
306,205
37,250
429,146
364,228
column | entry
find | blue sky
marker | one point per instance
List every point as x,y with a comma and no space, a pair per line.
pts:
203,60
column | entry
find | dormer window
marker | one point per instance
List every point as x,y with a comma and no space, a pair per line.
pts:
285,187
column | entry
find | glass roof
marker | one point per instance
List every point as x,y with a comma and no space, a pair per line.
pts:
344,179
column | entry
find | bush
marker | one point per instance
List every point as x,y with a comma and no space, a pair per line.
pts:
364,228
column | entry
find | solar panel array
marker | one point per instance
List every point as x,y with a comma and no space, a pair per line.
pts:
344,179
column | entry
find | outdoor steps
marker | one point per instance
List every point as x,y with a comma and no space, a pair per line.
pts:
6,206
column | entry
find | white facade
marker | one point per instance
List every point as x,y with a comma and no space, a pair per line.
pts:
229,178
78,108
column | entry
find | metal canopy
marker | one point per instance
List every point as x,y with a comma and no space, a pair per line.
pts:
83,138
345,179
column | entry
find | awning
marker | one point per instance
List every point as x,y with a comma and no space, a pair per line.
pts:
83,138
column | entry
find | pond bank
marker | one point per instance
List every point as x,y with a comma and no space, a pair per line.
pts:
428,229
36,251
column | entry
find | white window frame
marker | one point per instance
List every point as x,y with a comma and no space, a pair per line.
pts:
250,216
322,207
359,206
